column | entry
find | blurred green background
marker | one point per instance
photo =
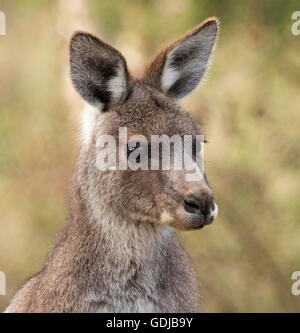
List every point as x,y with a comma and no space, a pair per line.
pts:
249,106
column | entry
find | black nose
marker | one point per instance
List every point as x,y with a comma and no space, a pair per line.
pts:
201,205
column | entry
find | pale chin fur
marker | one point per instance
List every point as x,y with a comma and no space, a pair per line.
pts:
214,213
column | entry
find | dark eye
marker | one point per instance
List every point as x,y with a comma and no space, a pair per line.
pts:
132,148
137,153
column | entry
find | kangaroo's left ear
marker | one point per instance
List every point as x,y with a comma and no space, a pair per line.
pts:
177,70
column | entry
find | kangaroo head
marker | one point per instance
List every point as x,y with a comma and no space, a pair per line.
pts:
145,107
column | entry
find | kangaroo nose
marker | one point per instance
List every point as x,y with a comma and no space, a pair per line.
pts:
200,205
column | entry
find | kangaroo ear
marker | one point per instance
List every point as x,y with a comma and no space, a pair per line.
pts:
98,71
177,70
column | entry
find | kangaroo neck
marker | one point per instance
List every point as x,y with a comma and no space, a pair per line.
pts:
113,244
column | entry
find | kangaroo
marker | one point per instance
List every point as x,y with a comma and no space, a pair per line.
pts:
119,251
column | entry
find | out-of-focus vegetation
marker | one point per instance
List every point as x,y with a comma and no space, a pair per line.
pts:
249,106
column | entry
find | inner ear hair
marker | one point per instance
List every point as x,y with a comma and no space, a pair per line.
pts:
98,71
178,69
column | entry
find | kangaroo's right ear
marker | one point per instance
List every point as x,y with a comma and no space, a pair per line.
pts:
98,71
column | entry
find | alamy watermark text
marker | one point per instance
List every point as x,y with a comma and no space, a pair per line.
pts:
2,284
296,285
2,24
296,25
